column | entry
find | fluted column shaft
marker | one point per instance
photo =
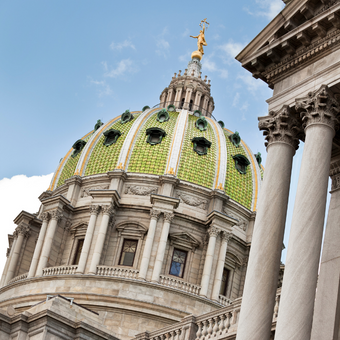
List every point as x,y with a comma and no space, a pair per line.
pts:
148,244
220,265
107,211
46,249
265,253
326,312
38,246
161,247
213,232
20,233
94,209
301,271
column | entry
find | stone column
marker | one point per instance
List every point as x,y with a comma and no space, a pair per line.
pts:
213,232
319,115
94,209
148,244
281,130
178,97
161,246
197,100
169,97
20,233
56,215
327,302
205,105
187,98
36,255
225,236
9,256
107,212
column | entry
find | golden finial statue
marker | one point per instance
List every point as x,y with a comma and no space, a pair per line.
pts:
200,40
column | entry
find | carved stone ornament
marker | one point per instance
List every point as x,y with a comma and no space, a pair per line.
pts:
193,201
23,230
226,236
94,209
319,107
154,213
140,190
107,209
281,126
45,216
335,175
168,216
56,215
112,221
68,225
213,231
86,192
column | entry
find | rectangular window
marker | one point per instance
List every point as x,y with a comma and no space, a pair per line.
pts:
178,262
78,251
224,283
128,253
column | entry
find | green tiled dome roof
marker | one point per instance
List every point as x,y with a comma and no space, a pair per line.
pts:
173,153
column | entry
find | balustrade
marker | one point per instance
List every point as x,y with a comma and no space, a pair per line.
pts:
18,278
173,282
127,273
61,270
224,300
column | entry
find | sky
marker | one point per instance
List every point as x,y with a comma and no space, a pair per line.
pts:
65,64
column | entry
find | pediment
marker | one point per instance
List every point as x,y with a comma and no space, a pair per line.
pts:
78,228
185,240
299,27
131,228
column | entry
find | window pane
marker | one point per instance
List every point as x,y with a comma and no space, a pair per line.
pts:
78,251
128,253
224,283
178,263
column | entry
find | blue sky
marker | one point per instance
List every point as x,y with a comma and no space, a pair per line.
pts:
65,64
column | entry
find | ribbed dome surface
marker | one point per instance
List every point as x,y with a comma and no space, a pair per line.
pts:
175,154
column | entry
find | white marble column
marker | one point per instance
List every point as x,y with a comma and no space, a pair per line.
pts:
20,233
36,255
148,244
107,212
327,312
280,129
319,110
94,210
187,98
213,232
56,215
162,246
225,237
9,256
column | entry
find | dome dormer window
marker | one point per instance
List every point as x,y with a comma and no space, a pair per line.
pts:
163,116
126,117
98,125
171,108
111,137
241,163
197,113
146,107
235,139
155,135
258,158
201,145
201,124
78,146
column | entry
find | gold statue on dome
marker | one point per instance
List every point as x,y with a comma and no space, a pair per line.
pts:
201,38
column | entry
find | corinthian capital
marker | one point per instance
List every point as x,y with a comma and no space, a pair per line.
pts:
168,216
94,209
45,216
213,231
22,229
107,209
226,236
281,126
56,215
154,213
319,107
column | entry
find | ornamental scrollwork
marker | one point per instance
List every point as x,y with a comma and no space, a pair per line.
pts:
193,201
154,213
281,126
140,190
168,217
86,192
319,107
335,175
226,236
56,215
107,209
45,216
23,230
94,209
213,231
68,225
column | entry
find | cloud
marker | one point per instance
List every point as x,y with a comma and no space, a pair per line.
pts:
18,193
269,8
163,47
125,66
185,57
186,33
236,99
120,46
103,89
231,50
211,66
251,83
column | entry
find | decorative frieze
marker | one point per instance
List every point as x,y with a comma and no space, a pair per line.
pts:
86,192
281,126
192,200
319,107
140,190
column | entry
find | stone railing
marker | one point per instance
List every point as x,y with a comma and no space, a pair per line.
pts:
61,270
127,273
18,278
224,300
173,282
218,324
